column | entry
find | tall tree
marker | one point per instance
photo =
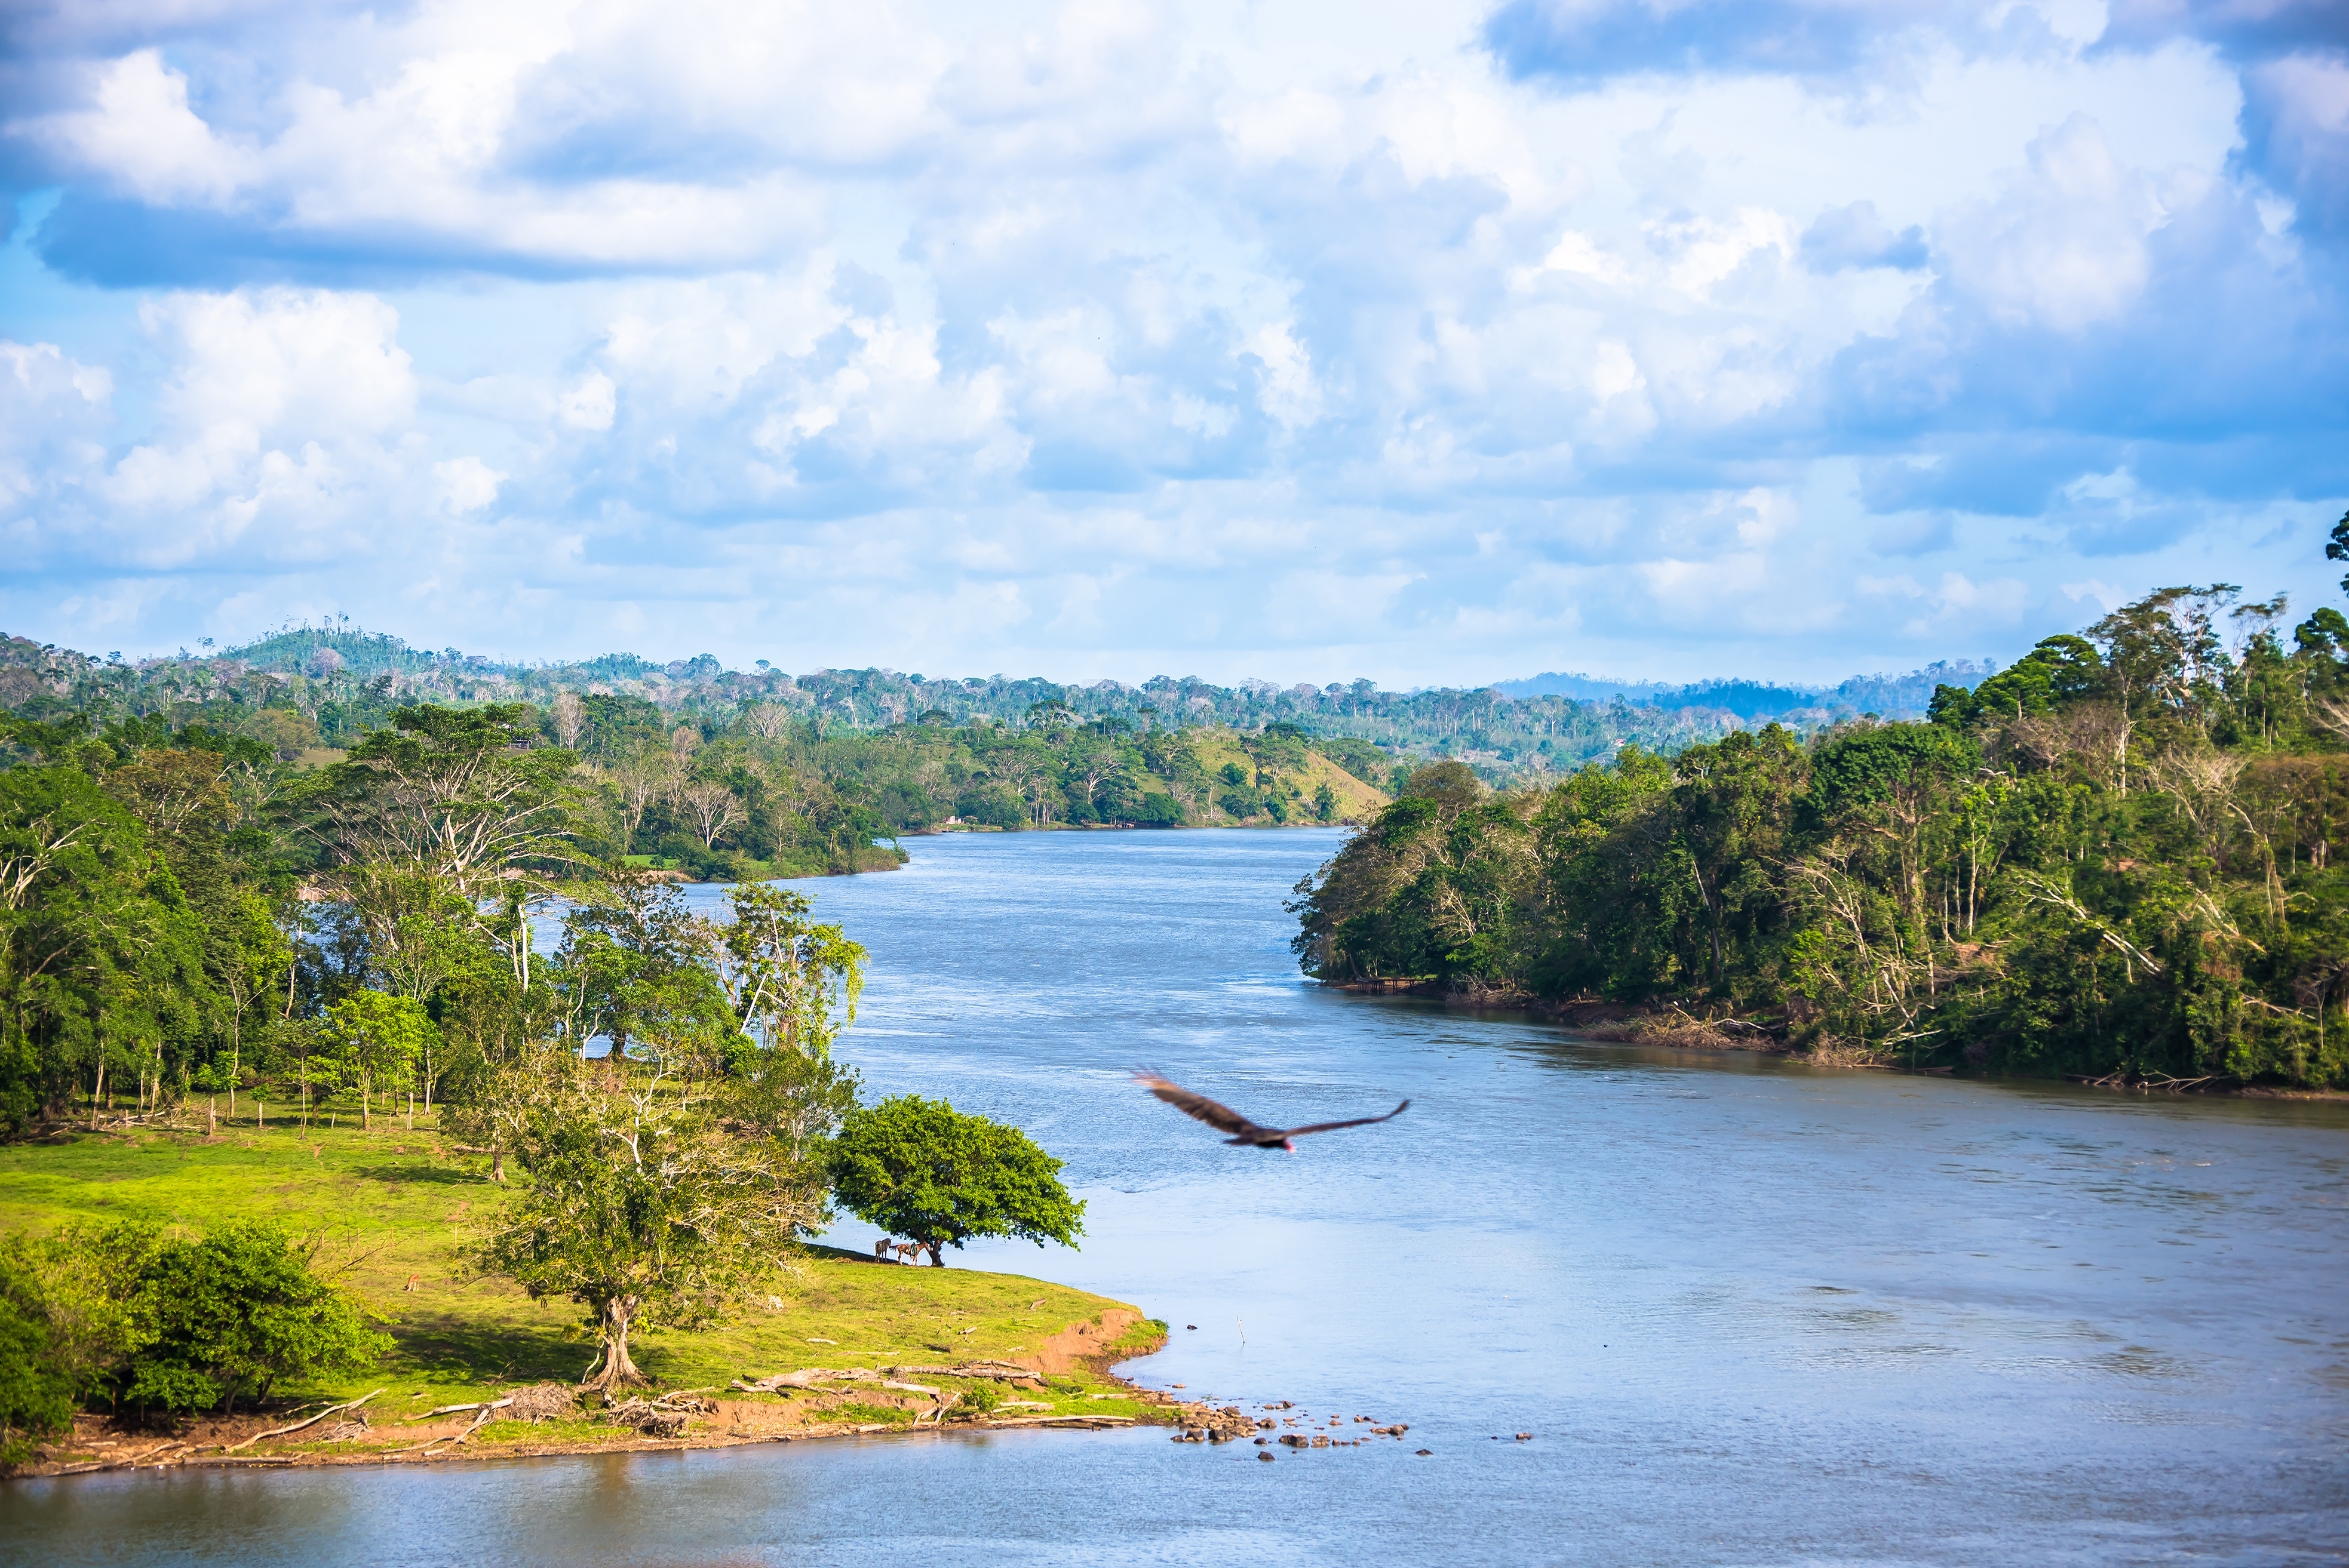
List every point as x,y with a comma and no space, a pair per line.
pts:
921,1168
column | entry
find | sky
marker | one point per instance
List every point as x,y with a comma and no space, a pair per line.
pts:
1432,342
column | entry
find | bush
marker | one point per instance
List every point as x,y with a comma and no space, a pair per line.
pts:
169,1322
239,1312
993,805
1158,810
37,1399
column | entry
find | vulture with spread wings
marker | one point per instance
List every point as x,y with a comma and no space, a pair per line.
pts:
1246,1134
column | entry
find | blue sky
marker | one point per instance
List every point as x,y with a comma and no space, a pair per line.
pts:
1432,342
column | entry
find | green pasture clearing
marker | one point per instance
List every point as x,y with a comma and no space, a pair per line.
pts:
388,1208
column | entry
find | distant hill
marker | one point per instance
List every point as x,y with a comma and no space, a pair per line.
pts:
1886,695
1582,688
323,683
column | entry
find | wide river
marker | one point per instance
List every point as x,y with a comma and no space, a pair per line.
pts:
1751,1312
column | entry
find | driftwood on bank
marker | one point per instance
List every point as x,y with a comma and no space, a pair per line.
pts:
282,1431
807,1377
454,1410
129,1461
2145,1083
481,1418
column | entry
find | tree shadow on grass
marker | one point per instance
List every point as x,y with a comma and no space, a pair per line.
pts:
432,1175
488,1352
454,1349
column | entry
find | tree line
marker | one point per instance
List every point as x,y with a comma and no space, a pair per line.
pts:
2114,856
321,685
438,922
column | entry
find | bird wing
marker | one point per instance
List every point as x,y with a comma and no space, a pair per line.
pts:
1358,1122
1198,1107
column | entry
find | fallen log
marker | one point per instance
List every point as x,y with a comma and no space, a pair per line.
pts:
480,1417
129,1462
1001,1371
282,1431
807,1374
454,1410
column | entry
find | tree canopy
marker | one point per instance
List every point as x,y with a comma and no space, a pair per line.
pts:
2114,856
920,1169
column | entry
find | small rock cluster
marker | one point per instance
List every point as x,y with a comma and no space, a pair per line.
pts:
1224,1426
1229,1423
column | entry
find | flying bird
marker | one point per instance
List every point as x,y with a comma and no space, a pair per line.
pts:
1245,1134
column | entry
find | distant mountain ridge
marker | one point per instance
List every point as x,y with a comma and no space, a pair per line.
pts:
1887,696
313,686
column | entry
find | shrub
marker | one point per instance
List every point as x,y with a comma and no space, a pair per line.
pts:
36,1398
169,1322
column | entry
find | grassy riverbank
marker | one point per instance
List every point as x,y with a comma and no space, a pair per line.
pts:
386,1209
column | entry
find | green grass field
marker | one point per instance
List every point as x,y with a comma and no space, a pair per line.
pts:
387,1209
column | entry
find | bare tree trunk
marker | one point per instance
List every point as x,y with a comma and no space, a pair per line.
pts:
212,1119
96,1089
937,1254
616,1369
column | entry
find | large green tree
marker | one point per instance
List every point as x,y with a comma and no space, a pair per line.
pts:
101,960
920,1169
644,1206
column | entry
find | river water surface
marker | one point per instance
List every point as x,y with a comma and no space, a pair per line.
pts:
1751,1312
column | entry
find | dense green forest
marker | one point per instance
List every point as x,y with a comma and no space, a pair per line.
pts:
319,686
196,890
712,785
2114,856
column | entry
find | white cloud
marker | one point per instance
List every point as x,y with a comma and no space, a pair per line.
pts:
467,484
589,403
1081,325
139,134
2064,245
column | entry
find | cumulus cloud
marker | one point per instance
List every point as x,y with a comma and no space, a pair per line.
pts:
2296,120
1844,238
1569,330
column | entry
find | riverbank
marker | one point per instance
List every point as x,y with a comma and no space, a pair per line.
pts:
845,1345
741,868
1672,1027
1066,1385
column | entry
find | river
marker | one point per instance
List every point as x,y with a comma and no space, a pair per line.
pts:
1750,1312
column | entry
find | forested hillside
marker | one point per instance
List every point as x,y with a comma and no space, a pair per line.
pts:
2115,857
314,686
193,892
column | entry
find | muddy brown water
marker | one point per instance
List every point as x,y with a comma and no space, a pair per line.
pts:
1753,1313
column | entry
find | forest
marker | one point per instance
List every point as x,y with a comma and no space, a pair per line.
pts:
710,786
2113,860
314,688
440,924
186,904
